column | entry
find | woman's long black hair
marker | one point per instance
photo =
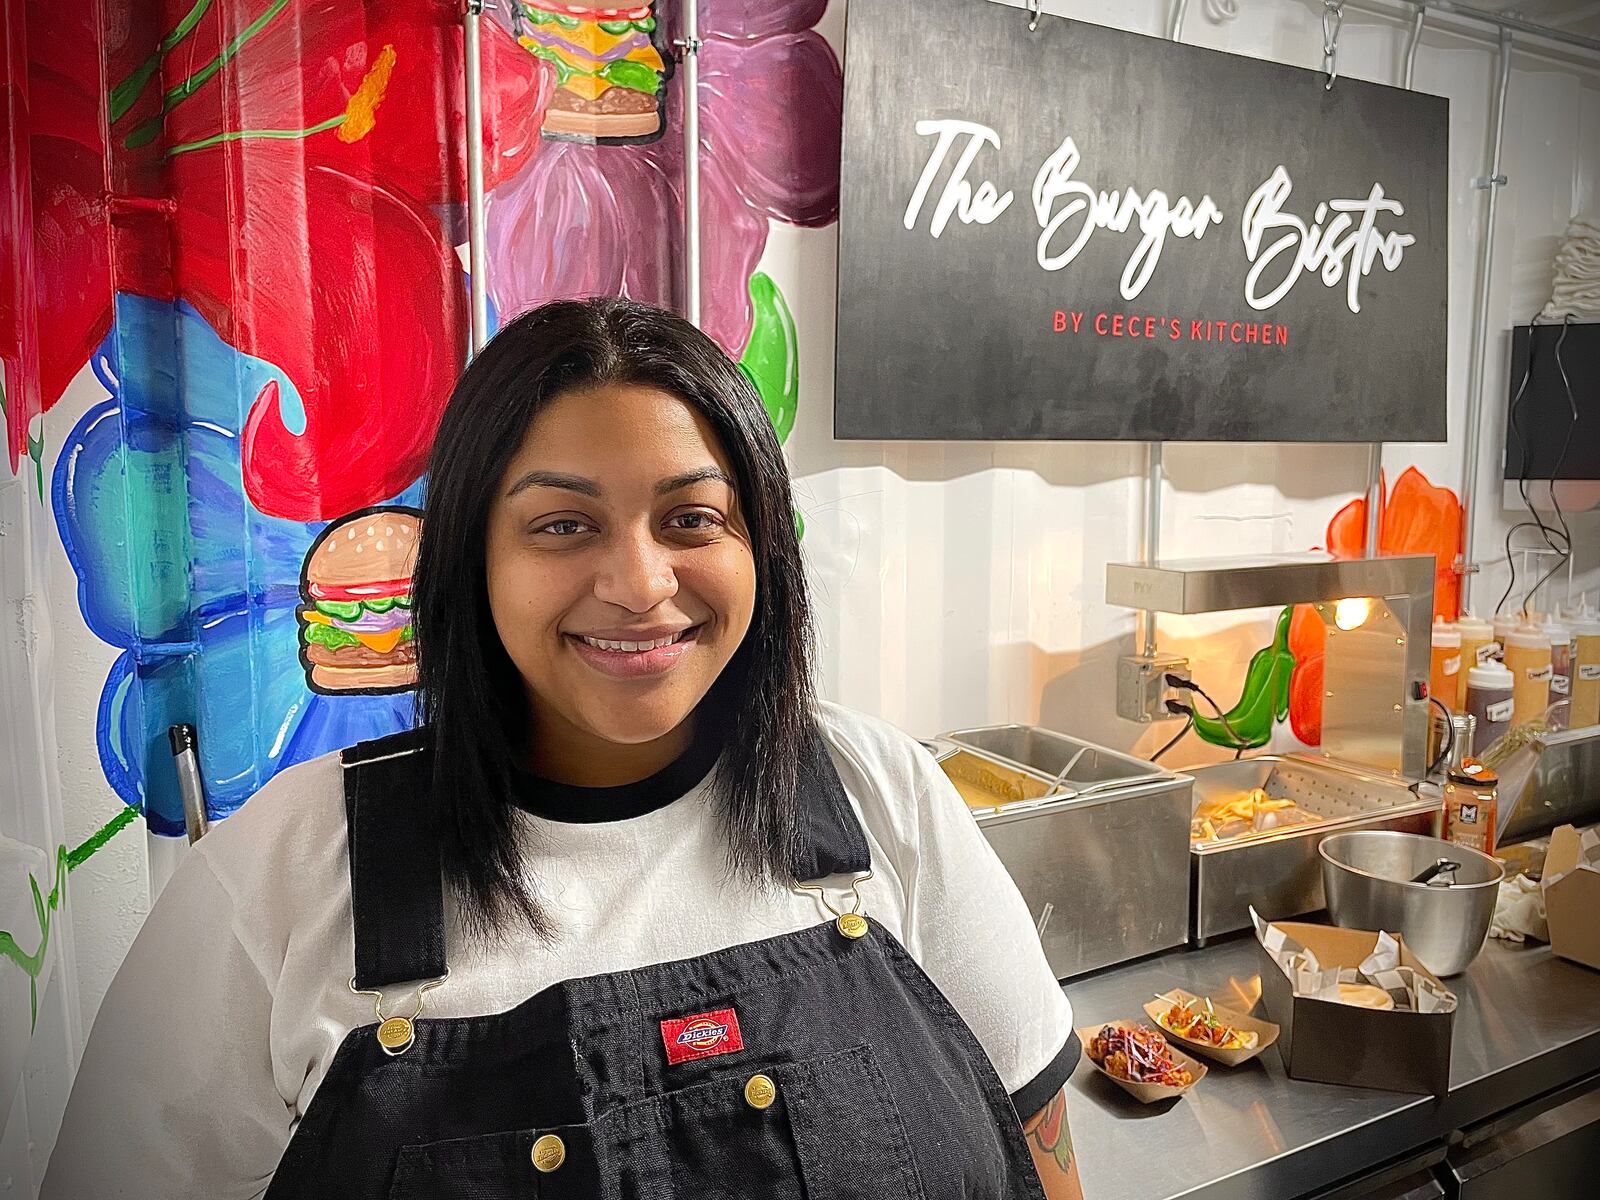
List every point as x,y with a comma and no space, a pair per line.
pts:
470,694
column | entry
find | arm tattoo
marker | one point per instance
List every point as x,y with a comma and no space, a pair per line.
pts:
1050,1133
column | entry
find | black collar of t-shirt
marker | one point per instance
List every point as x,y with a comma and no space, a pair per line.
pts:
573,804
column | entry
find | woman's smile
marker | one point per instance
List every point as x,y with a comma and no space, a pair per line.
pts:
632,654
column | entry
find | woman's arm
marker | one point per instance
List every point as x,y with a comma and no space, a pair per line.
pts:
1051,1143
176,1096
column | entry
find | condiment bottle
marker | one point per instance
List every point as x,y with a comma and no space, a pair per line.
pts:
1489,700
1528,657
1477,647
1471,806
1504,623
1585,673
1560,658
1442,677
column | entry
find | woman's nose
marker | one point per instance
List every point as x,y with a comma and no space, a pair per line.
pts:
636,572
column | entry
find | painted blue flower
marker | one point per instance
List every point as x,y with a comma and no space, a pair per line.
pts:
196,586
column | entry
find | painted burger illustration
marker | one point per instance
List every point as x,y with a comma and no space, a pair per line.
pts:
609,67
355,628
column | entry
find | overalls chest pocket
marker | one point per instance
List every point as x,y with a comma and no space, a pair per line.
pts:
817,1129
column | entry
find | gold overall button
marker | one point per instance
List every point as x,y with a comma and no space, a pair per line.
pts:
549,1152
760,1092
395,1034
853,926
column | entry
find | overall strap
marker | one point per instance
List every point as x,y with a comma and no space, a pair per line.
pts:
831,839
396,887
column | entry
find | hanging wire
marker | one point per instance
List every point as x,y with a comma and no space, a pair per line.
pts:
1182,733
1557,537
1566,444
1034,9
1220,11
1332,22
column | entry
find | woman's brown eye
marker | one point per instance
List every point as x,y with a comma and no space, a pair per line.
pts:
564,528
695,521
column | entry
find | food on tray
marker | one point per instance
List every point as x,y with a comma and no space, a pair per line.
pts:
983,784
1202,1025
1364,995
1139,1054
1252,812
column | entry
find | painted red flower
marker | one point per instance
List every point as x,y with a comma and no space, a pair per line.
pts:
1416,517
607,220
306,146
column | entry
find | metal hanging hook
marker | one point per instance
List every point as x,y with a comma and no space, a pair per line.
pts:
1035,7
1332,22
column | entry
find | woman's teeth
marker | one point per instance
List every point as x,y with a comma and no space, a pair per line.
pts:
634,647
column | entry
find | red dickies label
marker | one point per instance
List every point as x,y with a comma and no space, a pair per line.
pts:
702,1035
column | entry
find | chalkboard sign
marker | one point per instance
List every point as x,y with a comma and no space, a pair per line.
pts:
1080,233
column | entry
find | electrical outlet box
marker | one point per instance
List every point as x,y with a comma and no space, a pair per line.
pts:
1142,689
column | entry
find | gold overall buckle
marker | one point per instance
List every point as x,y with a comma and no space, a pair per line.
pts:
396,1034
852,924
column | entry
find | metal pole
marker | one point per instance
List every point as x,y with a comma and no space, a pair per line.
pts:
1375,453
1510,21
477,239
1153,450
1416,39
1374,496
191,789
1461,15
1480,326
1175,21
1152,530
689,44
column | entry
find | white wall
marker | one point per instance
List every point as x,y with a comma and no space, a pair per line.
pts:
960,584
37,1057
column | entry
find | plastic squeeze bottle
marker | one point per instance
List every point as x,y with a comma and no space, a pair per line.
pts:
1560,658
1477,647
1489,700
1585,673
1528,657
1442,677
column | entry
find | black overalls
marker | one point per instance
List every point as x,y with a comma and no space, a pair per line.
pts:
811,1066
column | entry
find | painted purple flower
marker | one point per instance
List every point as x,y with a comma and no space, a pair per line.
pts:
607,220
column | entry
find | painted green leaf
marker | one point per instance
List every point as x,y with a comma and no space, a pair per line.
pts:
36,452
772,359
345,610
327,635
634,76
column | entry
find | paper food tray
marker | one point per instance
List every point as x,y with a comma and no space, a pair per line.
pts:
1145,1093
1266,1032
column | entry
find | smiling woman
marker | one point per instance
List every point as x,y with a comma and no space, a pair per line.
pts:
620,576
608,476
634,913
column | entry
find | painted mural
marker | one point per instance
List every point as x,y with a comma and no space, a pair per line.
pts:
608,220
264,280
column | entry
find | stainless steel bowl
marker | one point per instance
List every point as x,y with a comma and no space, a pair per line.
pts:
1367,875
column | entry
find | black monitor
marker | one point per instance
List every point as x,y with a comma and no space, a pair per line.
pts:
1539,420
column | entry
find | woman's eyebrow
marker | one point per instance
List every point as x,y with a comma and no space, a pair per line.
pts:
688,478
554,479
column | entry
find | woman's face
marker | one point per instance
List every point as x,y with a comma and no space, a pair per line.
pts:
620,575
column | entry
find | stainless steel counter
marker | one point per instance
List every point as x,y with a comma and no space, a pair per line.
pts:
1528,1022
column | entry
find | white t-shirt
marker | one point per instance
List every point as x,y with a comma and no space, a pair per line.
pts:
232,1001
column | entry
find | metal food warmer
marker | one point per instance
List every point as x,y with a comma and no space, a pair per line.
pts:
1096,841
1378,612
